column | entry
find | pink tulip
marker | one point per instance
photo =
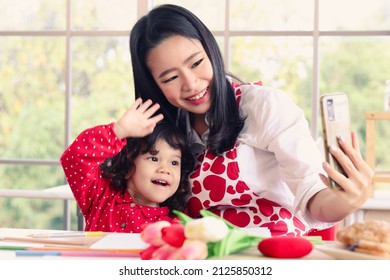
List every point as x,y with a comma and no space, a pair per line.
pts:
165,252
193,249
176,255
152,233
174,235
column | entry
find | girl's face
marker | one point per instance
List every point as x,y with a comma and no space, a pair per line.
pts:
182,70
156,177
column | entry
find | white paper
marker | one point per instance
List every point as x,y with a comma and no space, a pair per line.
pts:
258,231
120,241
21,244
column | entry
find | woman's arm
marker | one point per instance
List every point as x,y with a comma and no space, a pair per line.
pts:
278,125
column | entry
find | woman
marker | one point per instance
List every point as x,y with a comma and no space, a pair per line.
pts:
257,165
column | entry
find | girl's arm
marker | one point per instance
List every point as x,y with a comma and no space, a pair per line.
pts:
81,160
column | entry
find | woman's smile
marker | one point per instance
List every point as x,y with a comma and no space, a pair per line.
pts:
199,97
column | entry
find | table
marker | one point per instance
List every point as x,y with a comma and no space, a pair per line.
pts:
61,267
318,252
83,242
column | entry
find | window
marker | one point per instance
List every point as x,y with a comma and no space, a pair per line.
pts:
65,66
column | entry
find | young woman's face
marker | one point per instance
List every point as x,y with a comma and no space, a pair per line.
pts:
156,176
182,70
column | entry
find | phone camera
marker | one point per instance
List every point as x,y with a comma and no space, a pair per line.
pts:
329,106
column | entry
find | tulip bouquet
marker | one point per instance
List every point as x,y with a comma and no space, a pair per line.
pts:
195,239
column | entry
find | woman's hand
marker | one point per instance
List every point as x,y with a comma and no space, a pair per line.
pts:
357,183
138,120
332,205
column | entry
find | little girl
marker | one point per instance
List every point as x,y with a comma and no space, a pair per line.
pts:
124,177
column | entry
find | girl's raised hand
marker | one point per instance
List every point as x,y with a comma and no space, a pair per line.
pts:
138,120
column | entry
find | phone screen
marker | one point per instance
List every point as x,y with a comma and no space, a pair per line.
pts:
335,123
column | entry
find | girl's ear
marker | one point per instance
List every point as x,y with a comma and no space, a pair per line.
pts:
129,174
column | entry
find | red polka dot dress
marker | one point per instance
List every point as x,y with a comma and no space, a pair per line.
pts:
268,177
103,208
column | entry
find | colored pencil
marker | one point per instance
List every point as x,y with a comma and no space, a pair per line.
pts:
132,251
96,254
36,253
44,241
67,234
13,248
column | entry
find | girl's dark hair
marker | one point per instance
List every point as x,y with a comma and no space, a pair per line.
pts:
161,23
116,168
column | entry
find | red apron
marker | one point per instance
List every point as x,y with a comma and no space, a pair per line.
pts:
216,186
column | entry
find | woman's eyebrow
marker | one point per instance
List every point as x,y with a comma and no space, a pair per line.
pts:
166,72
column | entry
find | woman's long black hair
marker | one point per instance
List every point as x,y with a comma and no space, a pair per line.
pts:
116,168
161,23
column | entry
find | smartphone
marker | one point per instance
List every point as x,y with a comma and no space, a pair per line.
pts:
335,123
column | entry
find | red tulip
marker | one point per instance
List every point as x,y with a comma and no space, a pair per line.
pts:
174,235
152,233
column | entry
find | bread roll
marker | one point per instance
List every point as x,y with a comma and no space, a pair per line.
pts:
370,237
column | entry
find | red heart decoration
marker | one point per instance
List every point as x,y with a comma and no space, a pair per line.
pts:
241,187
218,166
206,166
256,220
231,154
217,187
210,155
298,224
206,204
253,209
284,213
285,247
280,227
231,190
232,170
274,218
196,188
240,219
243,200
